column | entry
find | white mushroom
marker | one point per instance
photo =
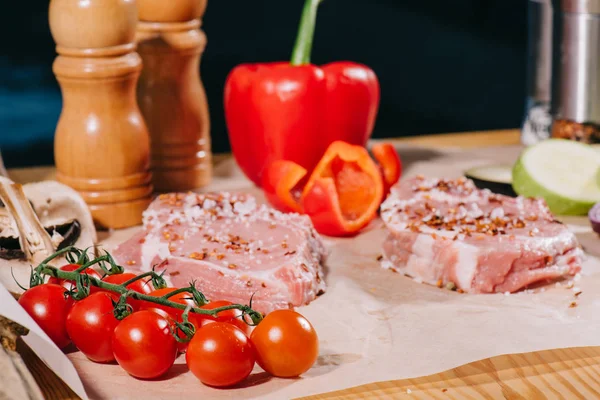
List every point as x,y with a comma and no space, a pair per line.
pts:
36,220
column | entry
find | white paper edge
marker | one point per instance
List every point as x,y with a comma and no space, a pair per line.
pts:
41,344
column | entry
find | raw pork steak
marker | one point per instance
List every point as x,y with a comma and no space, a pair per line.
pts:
449,232
231,247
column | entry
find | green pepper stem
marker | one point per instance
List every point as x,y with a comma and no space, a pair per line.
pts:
306,33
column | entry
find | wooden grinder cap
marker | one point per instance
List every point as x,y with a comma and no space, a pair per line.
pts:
92,24
170,10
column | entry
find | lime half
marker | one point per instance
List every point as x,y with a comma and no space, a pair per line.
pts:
563,172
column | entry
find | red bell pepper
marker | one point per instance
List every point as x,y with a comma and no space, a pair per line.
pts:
344,192
389,163
341,196
294,111
279,183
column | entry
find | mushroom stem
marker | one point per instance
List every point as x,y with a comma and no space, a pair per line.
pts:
35,241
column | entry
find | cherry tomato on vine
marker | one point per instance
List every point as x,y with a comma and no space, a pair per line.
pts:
90,325
49,307
286,344
232,316
70,268
143,345
220,355
173,313
141,286
181,298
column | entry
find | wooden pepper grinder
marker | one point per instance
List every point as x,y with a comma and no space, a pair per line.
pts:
171,95
101,145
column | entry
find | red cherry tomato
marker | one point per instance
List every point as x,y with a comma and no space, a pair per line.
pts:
181,298
143,345
220,355
49,308
69,283
90,325
174,313
232,316
143,286
286,344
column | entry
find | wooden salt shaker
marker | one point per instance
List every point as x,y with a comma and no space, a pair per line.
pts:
101,145
171,95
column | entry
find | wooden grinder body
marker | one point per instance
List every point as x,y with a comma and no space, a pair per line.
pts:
102,146
171,95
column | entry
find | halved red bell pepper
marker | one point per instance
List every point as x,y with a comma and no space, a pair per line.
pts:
344,192
389,163
279,183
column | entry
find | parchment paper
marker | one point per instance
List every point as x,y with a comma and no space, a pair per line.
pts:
377,325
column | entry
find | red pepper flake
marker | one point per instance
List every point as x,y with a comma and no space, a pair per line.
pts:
198,256
263,285
265,251
232,266
284,245
290,253
304,267
379,257
444,390
573,304
460,290
221,273
174,273
220,256
578,294
131,262
142,240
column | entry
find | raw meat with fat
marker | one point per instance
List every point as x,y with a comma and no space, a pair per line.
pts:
233,249
448,232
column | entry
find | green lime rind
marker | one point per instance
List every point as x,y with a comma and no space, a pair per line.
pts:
525,185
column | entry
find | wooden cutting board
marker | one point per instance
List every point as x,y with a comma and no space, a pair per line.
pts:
567,373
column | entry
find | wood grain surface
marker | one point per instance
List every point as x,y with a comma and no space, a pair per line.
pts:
553,374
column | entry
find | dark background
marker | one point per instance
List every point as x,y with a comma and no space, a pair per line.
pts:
444,66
